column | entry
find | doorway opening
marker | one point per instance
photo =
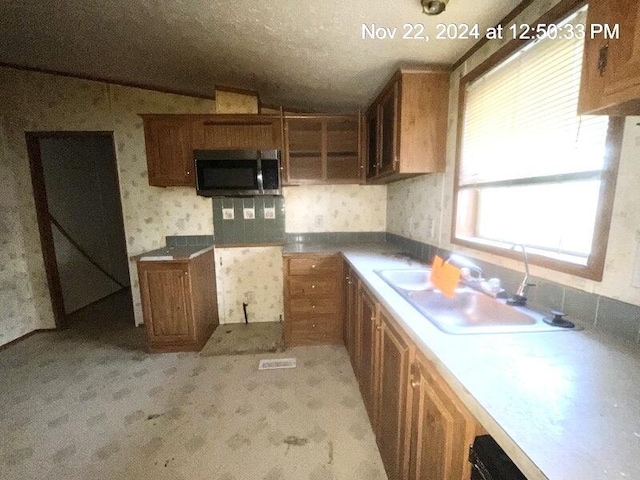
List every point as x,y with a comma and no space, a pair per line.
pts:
77,196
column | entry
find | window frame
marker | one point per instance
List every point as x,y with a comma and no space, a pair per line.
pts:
594,268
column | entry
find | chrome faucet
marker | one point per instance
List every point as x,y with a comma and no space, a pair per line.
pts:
462,262
520,298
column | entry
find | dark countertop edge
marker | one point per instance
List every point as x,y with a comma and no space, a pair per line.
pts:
248,245
178,253
291,249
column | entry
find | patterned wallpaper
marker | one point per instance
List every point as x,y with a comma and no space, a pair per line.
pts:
335,208
411,204
40,102
251,275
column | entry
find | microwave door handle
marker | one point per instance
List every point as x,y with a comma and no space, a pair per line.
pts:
260,181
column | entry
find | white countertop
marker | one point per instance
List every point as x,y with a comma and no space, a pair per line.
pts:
564,405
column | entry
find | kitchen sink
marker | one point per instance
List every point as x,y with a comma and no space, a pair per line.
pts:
411,280
468,312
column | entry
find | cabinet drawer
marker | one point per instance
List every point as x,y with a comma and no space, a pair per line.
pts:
313,265
312,286
311,305
312,330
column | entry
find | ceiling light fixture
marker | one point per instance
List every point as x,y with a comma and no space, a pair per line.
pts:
433,7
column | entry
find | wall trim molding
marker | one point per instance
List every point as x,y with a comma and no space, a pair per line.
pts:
25,336
108,80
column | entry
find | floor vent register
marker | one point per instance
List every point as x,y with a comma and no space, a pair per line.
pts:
272,364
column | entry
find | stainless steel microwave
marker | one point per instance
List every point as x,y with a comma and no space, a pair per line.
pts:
237,173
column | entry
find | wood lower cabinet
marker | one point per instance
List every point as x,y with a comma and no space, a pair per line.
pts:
313,306
441,427
351,321
394,396
422,429
610,81
179,302
368,352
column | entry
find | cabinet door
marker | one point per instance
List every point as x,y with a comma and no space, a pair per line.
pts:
441,428
394,395
371,124
169,152
220,132
368,352
352,326
388,130
304,140
610,80
343,150
164,289
622,73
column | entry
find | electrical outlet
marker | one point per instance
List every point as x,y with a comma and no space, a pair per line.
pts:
319,221
227,214
249,297
249,213
269,212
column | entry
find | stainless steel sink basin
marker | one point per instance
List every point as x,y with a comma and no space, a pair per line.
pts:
414,279
468,312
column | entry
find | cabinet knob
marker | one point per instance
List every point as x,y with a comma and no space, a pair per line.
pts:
313,325
313,306
188,172
313,266
313,286
415,383
379,328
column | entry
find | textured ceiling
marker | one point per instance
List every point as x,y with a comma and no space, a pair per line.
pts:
298,53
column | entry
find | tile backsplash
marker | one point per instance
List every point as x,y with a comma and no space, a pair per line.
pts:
257,228
189,240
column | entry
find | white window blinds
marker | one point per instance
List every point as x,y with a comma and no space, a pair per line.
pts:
520,118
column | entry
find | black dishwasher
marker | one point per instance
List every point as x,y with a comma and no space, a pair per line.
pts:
489,462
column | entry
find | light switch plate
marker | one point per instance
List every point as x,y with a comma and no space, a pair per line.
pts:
270,212
227,214
249,213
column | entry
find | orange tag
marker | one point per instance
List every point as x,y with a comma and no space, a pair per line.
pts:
445,277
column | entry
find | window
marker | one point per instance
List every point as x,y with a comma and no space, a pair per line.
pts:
529,169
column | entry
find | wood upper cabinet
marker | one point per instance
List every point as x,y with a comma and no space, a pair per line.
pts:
388,112
368,352
237,132
394,397
169,149
409,121
441,427
171,139
322,149
610,82
178,302
371,142
313,289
